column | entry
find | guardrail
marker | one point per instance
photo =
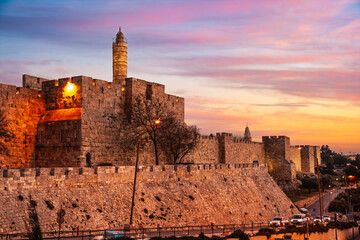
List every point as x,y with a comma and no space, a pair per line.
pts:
139,232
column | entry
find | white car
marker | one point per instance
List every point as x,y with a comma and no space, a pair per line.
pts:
326,218
317,219
299,219
278,222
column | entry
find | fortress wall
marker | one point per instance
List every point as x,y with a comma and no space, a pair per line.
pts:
149,90
295,156
240,151
57,96
100,197
58,143
307,159
207,151
277,149
23,109
317,154
33,82
101,124
59,133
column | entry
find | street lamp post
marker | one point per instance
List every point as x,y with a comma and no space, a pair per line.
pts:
156,122
318,177
135,175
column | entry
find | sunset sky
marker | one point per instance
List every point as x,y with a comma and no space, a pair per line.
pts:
282,67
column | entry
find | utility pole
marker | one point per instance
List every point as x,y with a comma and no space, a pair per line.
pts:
319,185
136,169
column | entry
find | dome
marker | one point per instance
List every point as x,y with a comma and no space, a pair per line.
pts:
120,36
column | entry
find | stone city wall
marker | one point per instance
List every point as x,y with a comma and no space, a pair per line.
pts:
307,158
149,90
277,150
101,123
207,151
33,82
100,197
224,148
23,108
241,151
295,156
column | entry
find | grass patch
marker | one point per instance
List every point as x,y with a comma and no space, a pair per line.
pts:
300,194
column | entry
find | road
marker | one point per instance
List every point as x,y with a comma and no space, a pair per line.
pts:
314,208
168,233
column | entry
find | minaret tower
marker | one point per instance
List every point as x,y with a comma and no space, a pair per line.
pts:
247,135
119,58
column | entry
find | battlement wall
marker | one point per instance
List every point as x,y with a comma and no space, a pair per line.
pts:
33,82
295,156
278,156
266,138
224,148
150,90
100,198
308,156
23,109
206,151
123,174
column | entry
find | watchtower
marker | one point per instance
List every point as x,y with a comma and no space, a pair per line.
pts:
119,58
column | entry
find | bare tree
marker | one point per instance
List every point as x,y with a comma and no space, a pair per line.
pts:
178,139
5,133
152,120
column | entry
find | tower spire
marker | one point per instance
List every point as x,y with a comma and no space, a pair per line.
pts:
119,58
247,134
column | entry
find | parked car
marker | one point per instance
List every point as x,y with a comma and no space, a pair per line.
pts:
317,219
326,218
299,219
278,222
110,234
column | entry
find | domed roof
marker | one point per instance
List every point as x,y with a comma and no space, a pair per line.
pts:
120,36
247,135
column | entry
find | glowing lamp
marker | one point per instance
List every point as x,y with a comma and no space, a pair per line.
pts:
109,85
39,95
157,121
177,100
351,178
123,89
70,89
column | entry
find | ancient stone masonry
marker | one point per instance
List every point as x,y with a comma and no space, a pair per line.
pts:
295,156
100,197
278,157
24,108
308,157
119,58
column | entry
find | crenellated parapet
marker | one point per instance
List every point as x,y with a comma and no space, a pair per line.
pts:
25,177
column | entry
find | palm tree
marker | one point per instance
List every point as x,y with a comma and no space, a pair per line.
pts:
5,133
